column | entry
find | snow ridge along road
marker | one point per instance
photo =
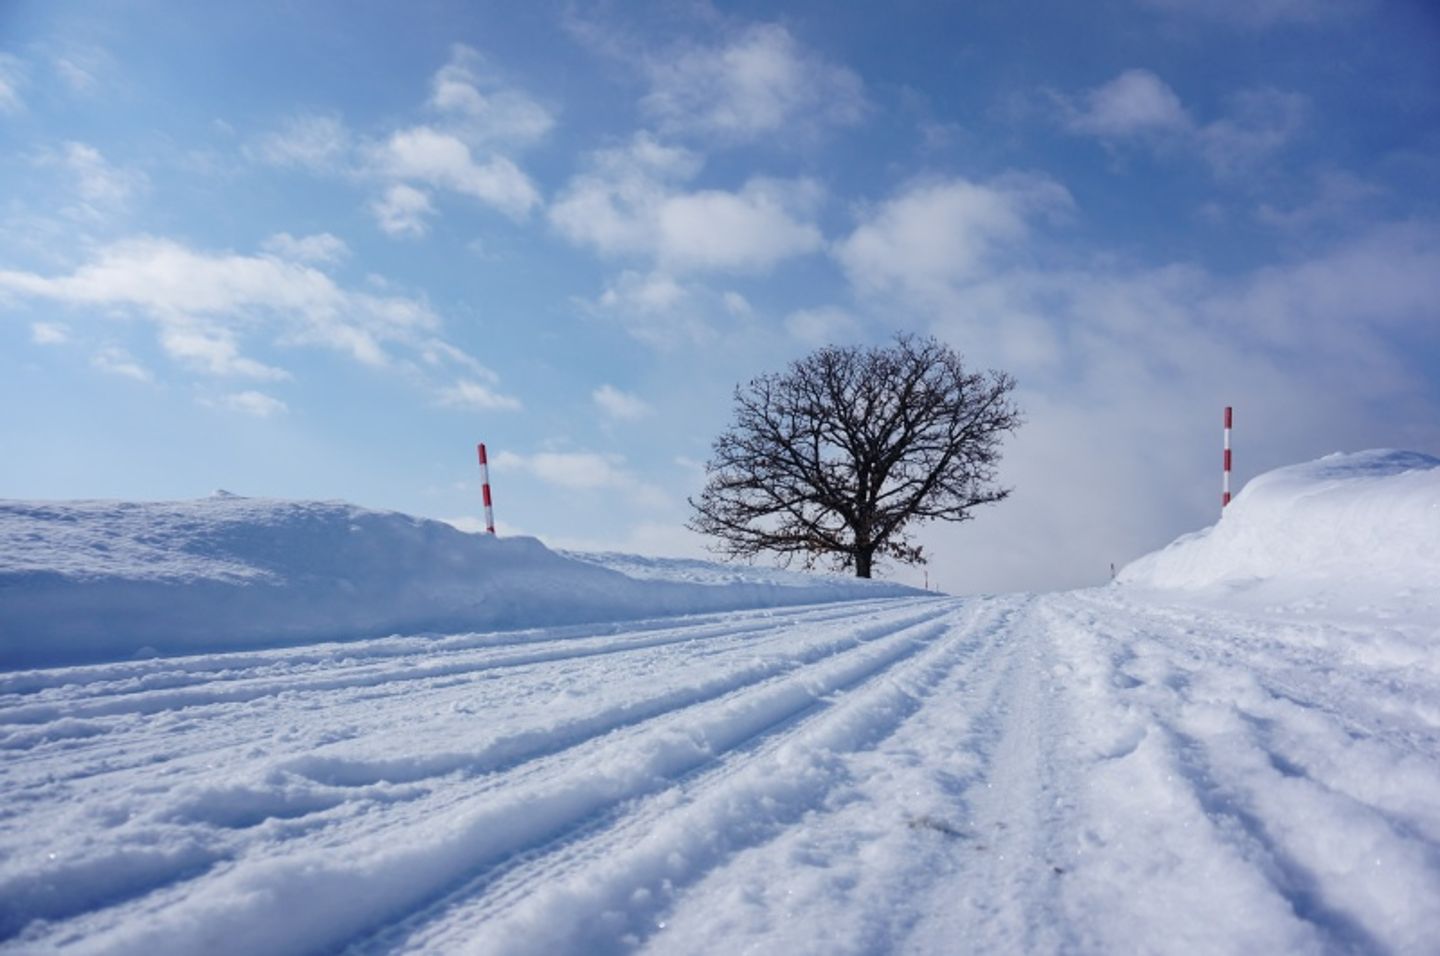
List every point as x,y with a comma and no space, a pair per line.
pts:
1079,773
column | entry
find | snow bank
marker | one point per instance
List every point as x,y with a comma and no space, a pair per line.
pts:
1365,521
104,580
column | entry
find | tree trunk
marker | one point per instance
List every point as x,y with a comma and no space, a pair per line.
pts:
862,563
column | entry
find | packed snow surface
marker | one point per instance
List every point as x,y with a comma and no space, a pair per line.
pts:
1125,769
107,580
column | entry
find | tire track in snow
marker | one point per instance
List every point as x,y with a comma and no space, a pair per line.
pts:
328,777
1316,664
1301,710
511,751
1210,719
498,822
880,850
72,730
603,886
1233,812
894,841
1006,817
1204,775
117,677
512,760
241,689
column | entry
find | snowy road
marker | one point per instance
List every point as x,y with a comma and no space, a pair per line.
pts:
1082,772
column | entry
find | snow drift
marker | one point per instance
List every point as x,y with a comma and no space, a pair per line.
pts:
1368,521
103,580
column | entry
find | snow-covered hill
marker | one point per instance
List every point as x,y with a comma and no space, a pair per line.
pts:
1176,764
1346,531
106,580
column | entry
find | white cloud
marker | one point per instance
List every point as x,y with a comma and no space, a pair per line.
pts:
12,80
1387,279
215,351
761,83
438,353
575,470
472,120
403,211
99,184
612,207
1138,106
631,203
937,234
81,68
620,406
257,404
652,293
748,231
75,75
823,326
1135,102
443,160
116,361
320,143
487,113
1337,196
737,305
657,309
583,471
1259,124
321,248
176,286
204,304
49,333
469,394
174,283
1315,354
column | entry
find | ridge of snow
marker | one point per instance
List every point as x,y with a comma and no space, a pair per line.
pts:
698,571
1366,523
105,580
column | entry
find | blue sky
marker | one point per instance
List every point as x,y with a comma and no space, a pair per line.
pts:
321,249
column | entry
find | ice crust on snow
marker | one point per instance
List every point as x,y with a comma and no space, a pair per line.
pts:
1367,522
105,580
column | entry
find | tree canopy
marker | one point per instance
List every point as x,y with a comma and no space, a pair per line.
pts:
839,456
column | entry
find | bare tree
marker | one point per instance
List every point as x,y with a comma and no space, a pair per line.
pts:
839,455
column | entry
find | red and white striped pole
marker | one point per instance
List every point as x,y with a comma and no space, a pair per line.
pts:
1225,483
485,490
